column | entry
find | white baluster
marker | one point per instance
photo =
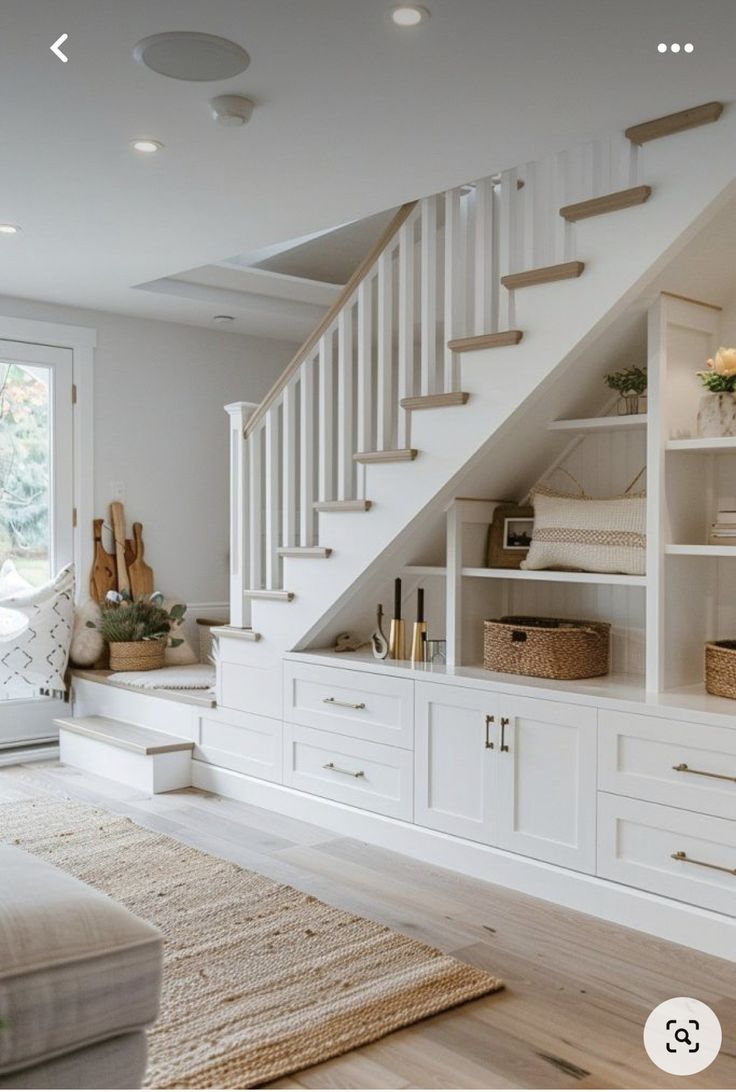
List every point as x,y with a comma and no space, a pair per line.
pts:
345,388
255,496
326,419
561,241
384,354
365,365
407,288
429,294
508,248
454,264
272,468
306,454
239,412
288,468
484,273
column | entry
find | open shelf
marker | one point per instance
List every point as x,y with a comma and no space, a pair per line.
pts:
712,444
600,424
425,570
558,577
701,551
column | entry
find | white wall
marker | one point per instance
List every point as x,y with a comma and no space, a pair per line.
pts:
160,429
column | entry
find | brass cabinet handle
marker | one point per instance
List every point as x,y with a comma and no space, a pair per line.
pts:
680,855
338,769
343,704
504,725
489,742
684,768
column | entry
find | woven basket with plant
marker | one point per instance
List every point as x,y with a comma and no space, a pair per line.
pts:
138,631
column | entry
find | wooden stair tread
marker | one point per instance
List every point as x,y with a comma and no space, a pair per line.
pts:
544,275
343,506
273,594
435,401
402,455
485,341
305,551
246,634
610,202
129,737
674,123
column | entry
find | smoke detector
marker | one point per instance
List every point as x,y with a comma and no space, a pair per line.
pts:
231,111
188,55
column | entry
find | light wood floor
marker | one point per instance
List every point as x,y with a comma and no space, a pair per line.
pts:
578,990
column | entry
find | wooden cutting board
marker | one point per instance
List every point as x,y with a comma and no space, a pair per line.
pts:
103,577
141,575
118,529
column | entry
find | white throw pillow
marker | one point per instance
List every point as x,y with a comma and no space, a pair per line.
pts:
11,581
34,649
87,644
595,536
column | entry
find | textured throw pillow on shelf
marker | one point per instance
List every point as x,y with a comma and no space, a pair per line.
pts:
596,536
35,635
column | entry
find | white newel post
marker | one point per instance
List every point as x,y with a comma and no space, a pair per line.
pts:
239,414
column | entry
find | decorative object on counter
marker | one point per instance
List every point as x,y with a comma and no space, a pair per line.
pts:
436,651
720,668
137,631
717,410
419,633
723,531
546,648
397,633
117,516
179,651
345,643
510,536
581,533
87,645
631,385
139,573
104,577
206,637
379,644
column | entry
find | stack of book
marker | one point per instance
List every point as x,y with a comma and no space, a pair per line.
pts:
723,531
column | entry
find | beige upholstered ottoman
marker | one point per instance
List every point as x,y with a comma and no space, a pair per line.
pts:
80,978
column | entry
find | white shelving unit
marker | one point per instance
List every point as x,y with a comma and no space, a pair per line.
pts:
558,577
622,423
700,551
710,445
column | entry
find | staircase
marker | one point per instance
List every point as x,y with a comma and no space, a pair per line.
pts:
469,301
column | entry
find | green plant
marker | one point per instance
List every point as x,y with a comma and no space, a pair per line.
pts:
717,383
123,619
629,381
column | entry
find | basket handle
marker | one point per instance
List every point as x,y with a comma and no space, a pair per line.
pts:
564,470
631,484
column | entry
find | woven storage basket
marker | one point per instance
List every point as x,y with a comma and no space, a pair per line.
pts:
720,668
548,648
137,655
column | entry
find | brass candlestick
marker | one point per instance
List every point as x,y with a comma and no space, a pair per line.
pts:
397,640
419,643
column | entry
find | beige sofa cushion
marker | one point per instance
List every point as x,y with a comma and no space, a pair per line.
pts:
75,967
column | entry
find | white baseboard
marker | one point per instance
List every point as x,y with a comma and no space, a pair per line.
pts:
662,918
44,752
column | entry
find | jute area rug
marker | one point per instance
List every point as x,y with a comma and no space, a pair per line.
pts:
260,980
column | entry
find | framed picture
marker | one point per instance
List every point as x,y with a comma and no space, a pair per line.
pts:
510,536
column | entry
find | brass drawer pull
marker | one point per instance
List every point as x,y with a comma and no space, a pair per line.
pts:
489,742
504,725
344,704
682,856
338,769
684,768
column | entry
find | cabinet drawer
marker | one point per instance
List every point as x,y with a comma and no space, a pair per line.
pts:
243,742
353,771
641,844
668,762
354,703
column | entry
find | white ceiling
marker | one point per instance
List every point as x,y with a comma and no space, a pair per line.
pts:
353,116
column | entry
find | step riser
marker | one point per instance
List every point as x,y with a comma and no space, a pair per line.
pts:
149,773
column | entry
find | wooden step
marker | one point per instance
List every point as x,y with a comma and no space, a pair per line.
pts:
343,506
545,275
245,634
485,341
130,737
611,202
675,123
141,757
315,552
271,594
435,401
403,455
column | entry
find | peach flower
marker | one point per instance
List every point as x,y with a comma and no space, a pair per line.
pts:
724,362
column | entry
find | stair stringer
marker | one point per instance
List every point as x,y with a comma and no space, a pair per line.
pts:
624,254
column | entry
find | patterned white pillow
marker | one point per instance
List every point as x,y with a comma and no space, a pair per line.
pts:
34,642
595,536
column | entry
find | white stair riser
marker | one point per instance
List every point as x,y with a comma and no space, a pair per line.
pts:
149,773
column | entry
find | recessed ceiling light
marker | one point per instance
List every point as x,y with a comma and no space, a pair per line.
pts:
409,15
188,55
9,229
148,147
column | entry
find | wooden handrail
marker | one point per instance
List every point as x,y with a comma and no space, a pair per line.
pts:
358,276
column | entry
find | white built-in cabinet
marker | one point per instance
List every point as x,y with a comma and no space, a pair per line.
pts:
513,772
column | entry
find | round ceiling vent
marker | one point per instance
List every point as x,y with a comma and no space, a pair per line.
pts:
187,55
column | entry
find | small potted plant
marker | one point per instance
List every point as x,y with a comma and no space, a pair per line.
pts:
717,410
631,384
137,631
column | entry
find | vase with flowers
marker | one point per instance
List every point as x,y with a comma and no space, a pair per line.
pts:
717,410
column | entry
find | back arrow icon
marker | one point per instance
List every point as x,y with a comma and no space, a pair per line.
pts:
55,48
